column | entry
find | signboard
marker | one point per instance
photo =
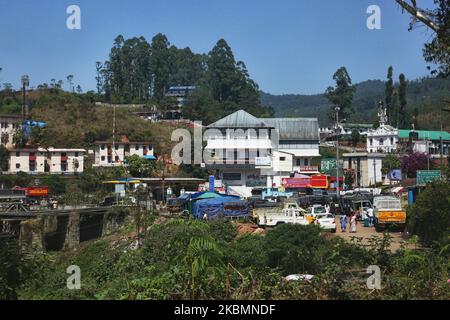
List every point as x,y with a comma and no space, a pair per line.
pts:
327,165
37,191
319,182
426,176
294,183
395,174
263,161
309,169
211,183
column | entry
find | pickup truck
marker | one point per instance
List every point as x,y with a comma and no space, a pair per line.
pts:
388,211
289,213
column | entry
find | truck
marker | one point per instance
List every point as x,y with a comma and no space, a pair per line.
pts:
387,212
289,212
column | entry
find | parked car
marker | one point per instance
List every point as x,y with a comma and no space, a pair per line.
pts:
326,221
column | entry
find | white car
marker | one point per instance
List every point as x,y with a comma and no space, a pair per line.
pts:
326,221
316,209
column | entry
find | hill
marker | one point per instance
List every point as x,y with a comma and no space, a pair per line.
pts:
425,95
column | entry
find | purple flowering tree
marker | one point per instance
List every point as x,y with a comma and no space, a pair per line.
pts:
412,162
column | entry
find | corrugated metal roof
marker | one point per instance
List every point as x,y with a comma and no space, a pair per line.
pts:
295,128
239,119
288,128
424,134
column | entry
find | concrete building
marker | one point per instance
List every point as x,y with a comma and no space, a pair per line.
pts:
46,161
366,166
248,152
425,141
8,126
107,154
384,139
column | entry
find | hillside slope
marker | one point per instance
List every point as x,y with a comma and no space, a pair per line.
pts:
424,94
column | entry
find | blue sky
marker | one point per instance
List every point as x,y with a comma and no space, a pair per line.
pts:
289,46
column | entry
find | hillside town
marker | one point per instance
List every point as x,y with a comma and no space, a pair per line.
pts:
173,176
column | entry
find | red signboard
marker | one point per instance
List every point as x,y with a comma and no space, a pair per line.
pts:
37,191
296,182
319,182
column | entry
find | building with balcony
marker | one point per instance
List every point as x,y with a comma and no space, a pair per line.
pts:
424,141
8,125
46,161
248,152
109,154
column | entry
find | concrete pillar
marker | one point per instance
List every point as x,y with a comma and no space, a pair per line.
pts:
32,233
73,231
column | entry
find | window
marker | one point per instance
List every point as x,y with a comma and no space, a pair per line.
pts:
17,165
17,154
381,142
282,158
103,158
298,161
116,147
102,147
392,140
232,176
371,141
76,154
306,162
137,147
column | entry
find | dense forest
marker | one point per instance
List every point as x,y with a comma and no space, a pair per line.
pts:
138,71
424,96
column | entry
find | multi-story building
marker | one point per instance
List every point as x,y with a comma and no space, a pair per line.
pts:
367,167
109,154
50,161
248,152
8,126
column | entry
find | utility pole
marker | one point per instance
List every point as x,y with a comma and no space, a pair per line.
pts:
374,173
25,79
337,109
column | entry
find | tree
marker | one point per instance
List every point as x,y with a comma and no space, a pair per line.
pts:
4,158
160,65
390,162
402,118
430,213
389,92
79,90
436,19
70,82
342,94
410,163
99,77
140,167
356,137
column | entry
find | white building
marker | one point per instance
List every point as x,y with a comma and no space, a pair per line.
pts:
51,161
367,167
8,126
384,139
108,154
249,152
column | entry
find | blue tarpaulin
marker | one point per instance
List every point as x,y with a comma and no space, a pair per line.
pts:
224,206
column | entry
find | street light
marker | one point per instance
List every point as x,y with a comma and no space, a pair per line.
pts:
337,109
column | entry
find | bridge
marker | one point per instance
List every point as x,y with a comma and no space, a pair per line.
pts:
59,229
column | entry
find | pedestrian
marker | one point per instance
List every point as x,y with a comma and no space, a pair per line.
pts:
205,216
343,223
353,223
370,216
327,208
333,209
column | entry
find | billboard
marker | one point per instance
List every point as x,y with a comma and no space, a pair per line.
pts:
319,182
37,191
426,176
294,183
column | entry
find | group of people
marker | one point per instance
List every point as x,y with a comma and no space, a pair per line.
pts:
351,219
